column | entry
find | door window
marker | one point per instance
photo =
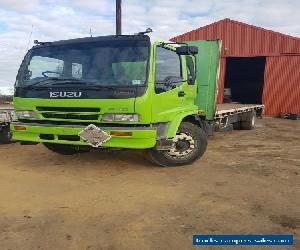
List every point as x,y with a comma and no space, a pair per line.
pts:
191,72
167,70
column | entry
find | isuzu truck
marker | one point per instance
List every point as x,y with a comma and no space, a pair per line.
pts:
124,92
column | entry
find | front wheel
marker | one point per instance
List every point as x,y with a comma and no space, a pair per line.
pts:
5,135
189,144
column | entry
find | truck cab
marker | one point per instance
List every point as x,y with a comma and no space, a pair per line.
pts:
112,92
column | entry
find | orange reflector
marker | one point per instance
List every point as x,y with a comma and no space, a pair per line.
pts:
121,133
20,128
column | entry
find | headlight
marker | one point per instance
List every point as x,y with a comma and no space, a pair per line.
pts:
120,117
26,114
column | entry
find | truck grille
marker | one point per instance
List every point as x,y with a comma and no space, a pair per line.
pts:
71,116
68,109
69,113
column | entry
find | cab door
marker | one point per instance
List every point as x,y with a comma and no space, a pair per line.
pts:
173,92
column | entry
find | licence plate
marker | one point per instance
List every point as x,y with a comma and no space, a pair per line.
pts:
94,136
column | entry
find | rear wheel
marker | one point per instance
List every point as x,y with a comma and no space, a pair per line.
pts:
5,135
189,144
249,123
236,125
64,149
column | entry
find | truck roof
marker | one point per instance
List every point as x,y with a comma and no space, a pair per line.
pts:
95,39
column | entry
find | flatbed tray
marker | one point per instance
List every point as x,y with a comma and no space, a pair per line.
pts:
6,107
226,109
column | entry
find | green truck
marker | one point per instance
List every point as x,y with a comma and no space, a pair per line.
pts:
124,92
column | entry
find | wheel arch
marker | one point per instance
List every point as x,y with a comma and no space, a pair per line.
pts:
186,117
194,119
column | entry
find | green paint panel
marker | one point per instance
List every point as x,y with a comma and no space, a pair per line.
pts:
207,67
140,139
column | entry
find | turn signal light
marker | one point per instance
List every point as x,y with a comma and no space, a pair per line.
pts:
121,133
20,128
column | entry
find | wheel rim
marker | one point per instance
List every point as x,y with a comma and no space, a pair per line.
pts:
253,121
183,145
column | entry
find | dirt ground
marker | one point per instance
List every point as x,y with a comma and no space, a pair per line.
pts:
247,183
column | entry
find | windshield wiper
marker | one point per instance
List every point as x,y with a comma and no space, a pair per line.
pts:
53,81
86,85
100,87
69,81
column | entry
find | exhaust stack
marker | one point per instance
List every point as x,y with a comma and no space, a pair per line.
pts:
118,17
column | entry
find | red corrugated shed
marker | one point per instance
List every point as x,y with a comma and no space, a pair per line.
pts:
240,39
282,85
282,72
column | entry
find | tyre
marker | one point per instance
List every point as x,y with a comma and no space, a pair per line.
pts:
249,123
5,135
189,144
236,125
64,149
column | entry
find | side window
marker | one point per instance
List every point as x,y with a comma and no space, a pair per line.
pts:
190,66
167,70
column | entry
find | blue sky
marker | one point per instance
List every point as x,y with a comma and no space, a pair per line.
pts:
50,20
3,27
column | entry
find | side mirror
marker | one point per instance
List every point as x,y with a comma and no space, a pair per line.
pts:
191,80
187,50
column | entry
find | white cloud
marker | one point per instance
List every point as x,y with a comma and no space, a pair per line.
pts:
6,90
50,20
21,6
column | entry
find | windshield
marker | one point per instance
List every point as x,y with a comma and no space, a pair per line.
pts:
102,63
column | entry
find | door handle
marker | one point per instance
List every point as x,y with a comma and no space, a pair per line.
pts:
181,94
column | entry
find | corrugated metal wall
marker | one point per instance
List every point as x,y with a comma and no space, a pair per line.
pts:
221,81
282,85
282,76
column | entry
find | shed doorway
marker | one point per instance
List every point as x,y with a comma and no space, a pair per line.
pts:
244,79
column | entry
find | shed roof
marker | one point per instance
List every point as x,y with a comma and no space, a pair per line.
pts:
241,39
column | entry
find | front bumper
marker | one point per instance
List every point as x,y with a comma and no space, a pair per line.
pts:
141,138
